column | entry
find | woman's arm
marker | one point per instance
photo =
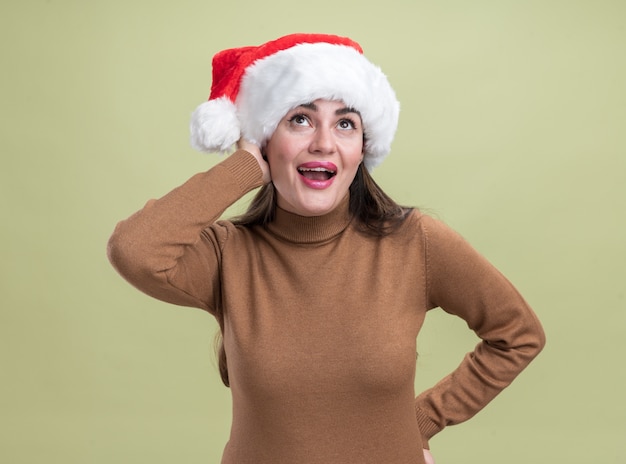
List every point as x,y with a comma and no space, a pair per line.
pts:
170,249
463,283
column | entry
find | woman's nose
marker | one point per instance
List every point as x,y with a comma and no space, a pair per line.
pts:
323,141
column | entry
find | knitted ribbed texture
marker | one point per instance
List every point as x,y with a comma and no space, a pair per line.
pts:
321,320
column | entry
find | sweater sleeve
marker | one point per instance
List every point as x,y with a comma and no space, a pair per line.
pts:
171,248
463,283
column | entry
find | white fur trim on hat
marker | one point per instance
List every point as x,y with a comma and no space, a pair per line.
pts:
274,85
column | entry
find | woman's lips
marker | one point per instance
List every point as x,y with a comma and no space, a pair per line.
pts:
317,174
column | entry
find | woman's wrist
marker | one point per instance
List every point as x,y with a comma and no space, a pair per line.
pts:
255,151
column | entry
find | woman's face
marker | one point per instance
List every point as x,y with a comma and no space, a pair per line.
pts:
313,156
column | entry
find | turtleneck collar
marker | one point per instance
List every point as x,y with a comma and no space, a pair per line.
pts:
311,229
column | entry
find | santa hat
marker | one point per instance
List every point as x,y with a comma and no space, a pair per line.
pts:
253,88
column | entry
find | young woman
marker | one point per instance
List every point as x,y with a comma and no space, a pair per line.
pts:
321,288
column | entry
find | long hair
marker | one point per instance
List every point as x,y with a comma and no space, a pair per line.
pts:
377,214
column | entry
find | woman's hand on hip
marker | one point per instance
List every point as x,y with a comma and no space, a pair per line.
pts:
256,152
428,457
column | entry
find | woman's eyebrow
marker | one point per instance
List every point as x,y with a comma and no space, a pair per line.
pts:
346,110
341,111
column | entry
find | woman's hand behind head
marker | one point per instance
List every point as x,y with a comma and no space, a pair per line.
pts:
256,152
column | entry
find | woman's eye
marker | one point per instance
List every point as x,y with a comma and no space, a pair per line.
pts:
346,124
299,120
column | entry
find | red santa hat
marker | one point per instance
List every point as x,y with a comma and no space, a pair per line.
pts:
254,87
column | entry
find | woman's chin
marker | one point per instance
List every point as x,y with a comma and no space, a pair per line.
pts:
311,207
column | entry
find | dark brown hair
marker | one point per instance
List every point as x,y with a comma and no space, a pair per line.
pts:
377,214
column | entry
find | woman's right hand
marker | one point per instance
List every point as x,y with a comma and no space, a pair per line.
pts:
256,152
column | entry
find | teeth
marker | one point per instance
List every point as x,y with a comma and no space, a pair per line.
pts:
316,169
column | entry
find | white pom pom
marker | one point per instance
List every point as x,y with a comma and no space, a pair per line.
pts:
215,126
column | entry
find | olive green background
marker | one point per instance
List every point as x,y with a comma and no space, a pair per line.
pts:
512,130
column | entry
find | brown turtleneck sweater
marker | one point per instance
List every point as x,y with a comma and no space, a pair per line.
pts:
320,320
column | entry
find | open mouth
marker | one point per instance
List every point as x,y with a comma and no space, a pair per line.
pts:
317,173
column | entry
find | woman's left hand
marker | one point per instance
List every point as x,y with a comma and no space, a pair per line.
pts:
428,457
